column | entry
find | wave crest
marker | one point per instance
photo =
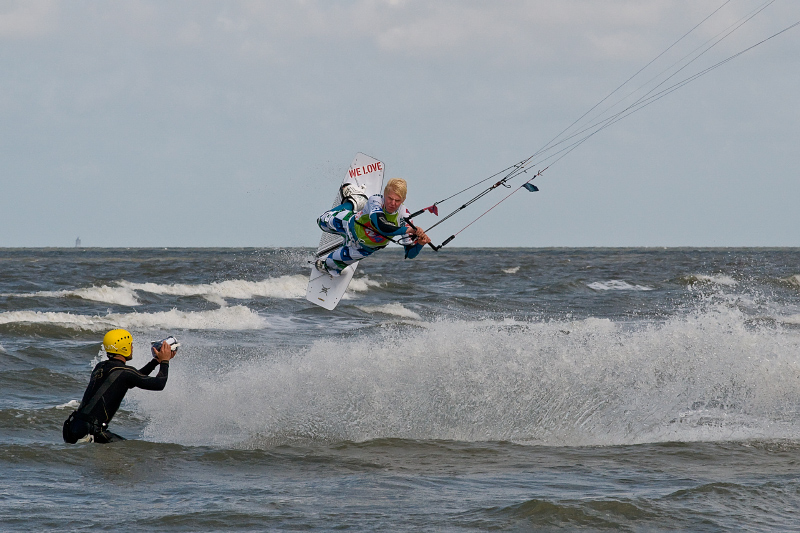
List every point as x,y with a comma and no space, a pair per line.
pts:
228,318
361,284
281,287
793,280
396,309
617,285
104,293
707,376
716,279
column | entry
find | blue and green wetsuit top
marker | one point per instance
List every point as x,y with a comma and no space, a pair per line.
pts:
373,226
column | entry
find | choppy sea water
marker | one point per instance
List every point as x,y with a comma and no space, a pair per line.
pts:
470,389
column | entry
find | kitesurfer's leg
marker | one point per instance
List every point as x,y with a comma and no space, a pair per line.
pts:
353,195
339,259
335,220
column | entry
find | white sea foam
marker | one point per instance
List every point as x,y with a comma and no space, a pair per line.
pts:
72,404
512,270
229,318
360,284
707,376
793,280
396,309
285,287
717,279
791,319
617,285
280,287
104,293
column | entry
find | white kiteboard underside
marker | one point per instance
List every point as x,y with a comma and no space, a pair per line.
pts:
323,289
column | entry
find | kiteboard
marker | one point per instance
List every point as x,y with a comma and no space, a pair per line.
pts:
323,289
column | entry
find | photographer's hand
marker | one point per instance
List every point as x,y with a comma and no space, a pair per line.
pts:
164,354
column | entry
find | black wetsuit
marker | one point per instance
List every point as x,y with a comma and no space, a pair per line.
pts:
108,385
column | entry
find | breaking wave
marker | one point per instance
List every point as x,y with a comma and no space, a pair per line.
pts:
616,285
396,309
706,376
792,319
361,284
283,287
227,318
280,287
104,293
793,280
718,279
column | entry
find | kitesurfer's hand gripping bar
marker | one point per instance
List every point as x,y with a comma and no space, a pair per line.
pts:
435,248
451,237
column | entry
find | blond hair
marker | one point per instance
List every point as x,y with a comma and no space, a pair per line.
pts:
397,186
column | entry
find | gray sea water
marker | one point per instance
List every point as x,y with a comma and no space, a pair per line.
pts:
470,389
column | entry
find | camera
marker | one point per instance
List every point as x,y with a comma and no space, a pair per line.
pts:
172,341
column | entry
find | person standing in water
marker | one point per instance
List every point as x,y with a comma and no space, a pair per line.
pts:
367,225
109,383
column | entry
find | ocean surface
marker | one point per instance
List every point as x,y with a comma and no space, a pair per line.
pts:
470,389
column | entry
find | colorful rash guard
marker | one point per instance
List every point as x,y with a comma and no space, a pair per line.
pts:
372,225
364,232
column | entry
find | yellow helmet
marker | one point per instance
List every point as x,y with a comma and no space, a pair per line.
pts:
118,342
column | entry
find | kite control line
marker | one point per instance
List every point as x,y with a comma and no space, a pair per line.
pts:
576,133
517,171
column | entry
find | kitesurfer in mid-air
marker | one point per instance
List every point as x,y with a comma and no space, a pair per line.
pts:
369,224
110,382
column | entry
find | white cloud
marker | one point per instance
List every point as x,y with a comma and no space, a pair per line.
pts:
25,19
524,31
172,96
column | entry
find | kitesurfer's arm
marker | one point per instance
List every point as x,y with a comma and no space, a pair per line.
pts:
420,240
413,251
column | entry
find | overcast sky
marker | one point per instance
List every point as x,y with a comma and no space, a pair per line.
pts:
210,123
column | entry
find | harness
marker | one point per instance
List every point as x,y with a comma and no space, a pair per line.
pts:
369,236
83,414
